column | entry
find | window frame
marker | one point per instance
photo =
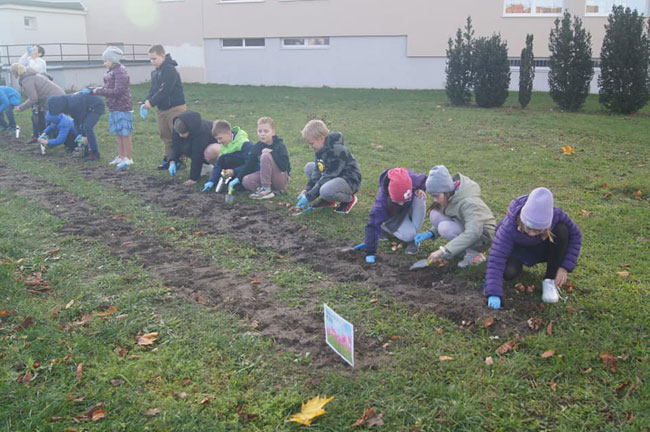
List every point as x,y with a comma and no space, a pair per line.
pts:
243,45
32,23
306,46
533,14
606,14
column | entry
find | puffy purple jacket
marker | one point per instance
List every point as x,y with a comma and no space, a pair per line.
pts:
379,212
117,89
508,237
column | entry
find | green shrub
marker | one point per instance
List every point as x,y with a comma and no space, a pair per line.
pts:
459,66
526,72
491,71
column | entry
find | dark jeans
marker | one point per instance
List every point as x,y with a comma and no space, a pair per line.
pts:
552,253
87,130
38,120
9,112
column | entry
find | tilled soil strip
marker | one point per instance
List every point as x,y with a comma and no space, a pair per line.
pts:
193,276
434,290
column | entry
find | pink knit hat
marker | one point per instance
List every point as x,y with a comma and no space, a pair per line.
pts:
537,213
400,187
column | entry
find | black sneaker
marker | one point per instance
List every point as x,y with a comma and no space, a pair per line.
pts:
345,207
412,248
164,164
382,237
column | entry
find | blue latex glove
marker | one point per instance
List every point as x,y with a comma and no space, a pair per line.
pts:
29,49
172,168
207,186
419,238
231,185
143,112
79,140
494,302
302,201
84,91
370,259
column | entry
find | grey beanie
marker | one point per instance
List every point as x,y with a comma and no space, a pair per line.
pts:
439,180
113,53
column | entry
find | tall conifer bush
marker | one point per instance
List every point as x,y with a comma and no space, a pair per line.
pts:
459,66
571,65
491,71
624,58
526,72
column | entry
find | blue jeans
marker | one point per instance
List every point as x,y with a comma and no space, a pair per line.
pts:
9,112
87,130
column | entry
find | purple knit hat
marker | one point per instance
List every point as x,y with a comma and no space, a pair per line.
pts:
537,213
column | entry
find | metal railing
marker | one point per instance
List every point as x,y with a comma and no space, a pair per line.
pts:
74,52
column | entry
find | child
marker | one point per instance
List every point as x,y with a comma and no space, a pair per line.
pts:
167,94
334,175
190,138
38,88
85,109
117,90
267,168
63,126
399,209
464,220
33,59
533,231
9,98
229,155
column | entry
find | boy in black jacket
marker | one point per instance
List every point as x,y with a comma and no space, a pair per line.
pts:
190,138
267,168
167,94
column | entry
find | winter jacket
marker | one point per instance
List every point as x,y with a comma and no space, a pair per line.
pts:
508,237
238,148
333,160
9,97
38,88
77,106
194,145
467,207
279,154
117,89
166,86
37,64
62,124
380,209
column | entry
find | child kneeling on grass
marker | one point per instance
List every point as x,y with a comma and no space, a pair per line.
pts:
335,175
229,155
399,209
190,138
63,126
9,99
533,231
461,217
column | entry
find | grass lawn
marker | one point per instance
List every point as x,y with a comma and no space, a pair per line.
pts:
210,368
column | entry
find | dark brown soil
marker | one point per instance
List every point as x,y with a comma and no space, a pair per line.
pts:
435,290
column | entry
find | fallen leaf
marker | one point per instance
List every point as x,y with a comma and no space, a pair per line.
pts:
186,382
530,288
27,378
120,216
244,417
69,305
255,281
605,185
54,419
6,312
201,300
367,413
569,287
439,331
507,346
303,228
567,150
373,300
585,213
130,278
198,233
445,358
206,400
376,420
54,251
96,413
116,382
534,323
146,339
553,385
310,410
520,287
571,309
182,395
609,361
607,195
488,322
111,310
622,386
629,416
549,329
623,273
152,412
638,193
80,368
587,371
24,324
489,361
547,354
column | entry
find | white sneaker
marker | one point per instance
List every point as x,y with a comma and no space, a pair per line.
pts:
550,294
118,160
471,257
127,161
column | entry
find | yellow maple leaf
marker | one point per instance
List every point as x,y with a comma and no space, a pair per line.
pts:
310,410
146,339
567,149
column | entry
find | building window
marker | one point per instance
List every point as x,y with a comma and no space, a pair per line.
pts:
243,43
30,23
320,42
604,7
533,7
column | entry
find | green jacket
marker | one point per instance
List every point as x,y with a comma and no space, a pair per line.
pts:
467,207
240,137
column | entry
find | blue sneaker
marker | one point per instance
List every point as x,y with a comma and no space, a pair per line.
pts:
164,164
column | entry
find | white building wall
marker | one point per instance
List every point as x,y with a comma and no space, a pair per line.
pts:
52,25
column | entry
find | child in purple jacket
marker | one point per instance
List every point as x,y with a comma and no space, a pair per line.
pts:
533,231
117,91
399,209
